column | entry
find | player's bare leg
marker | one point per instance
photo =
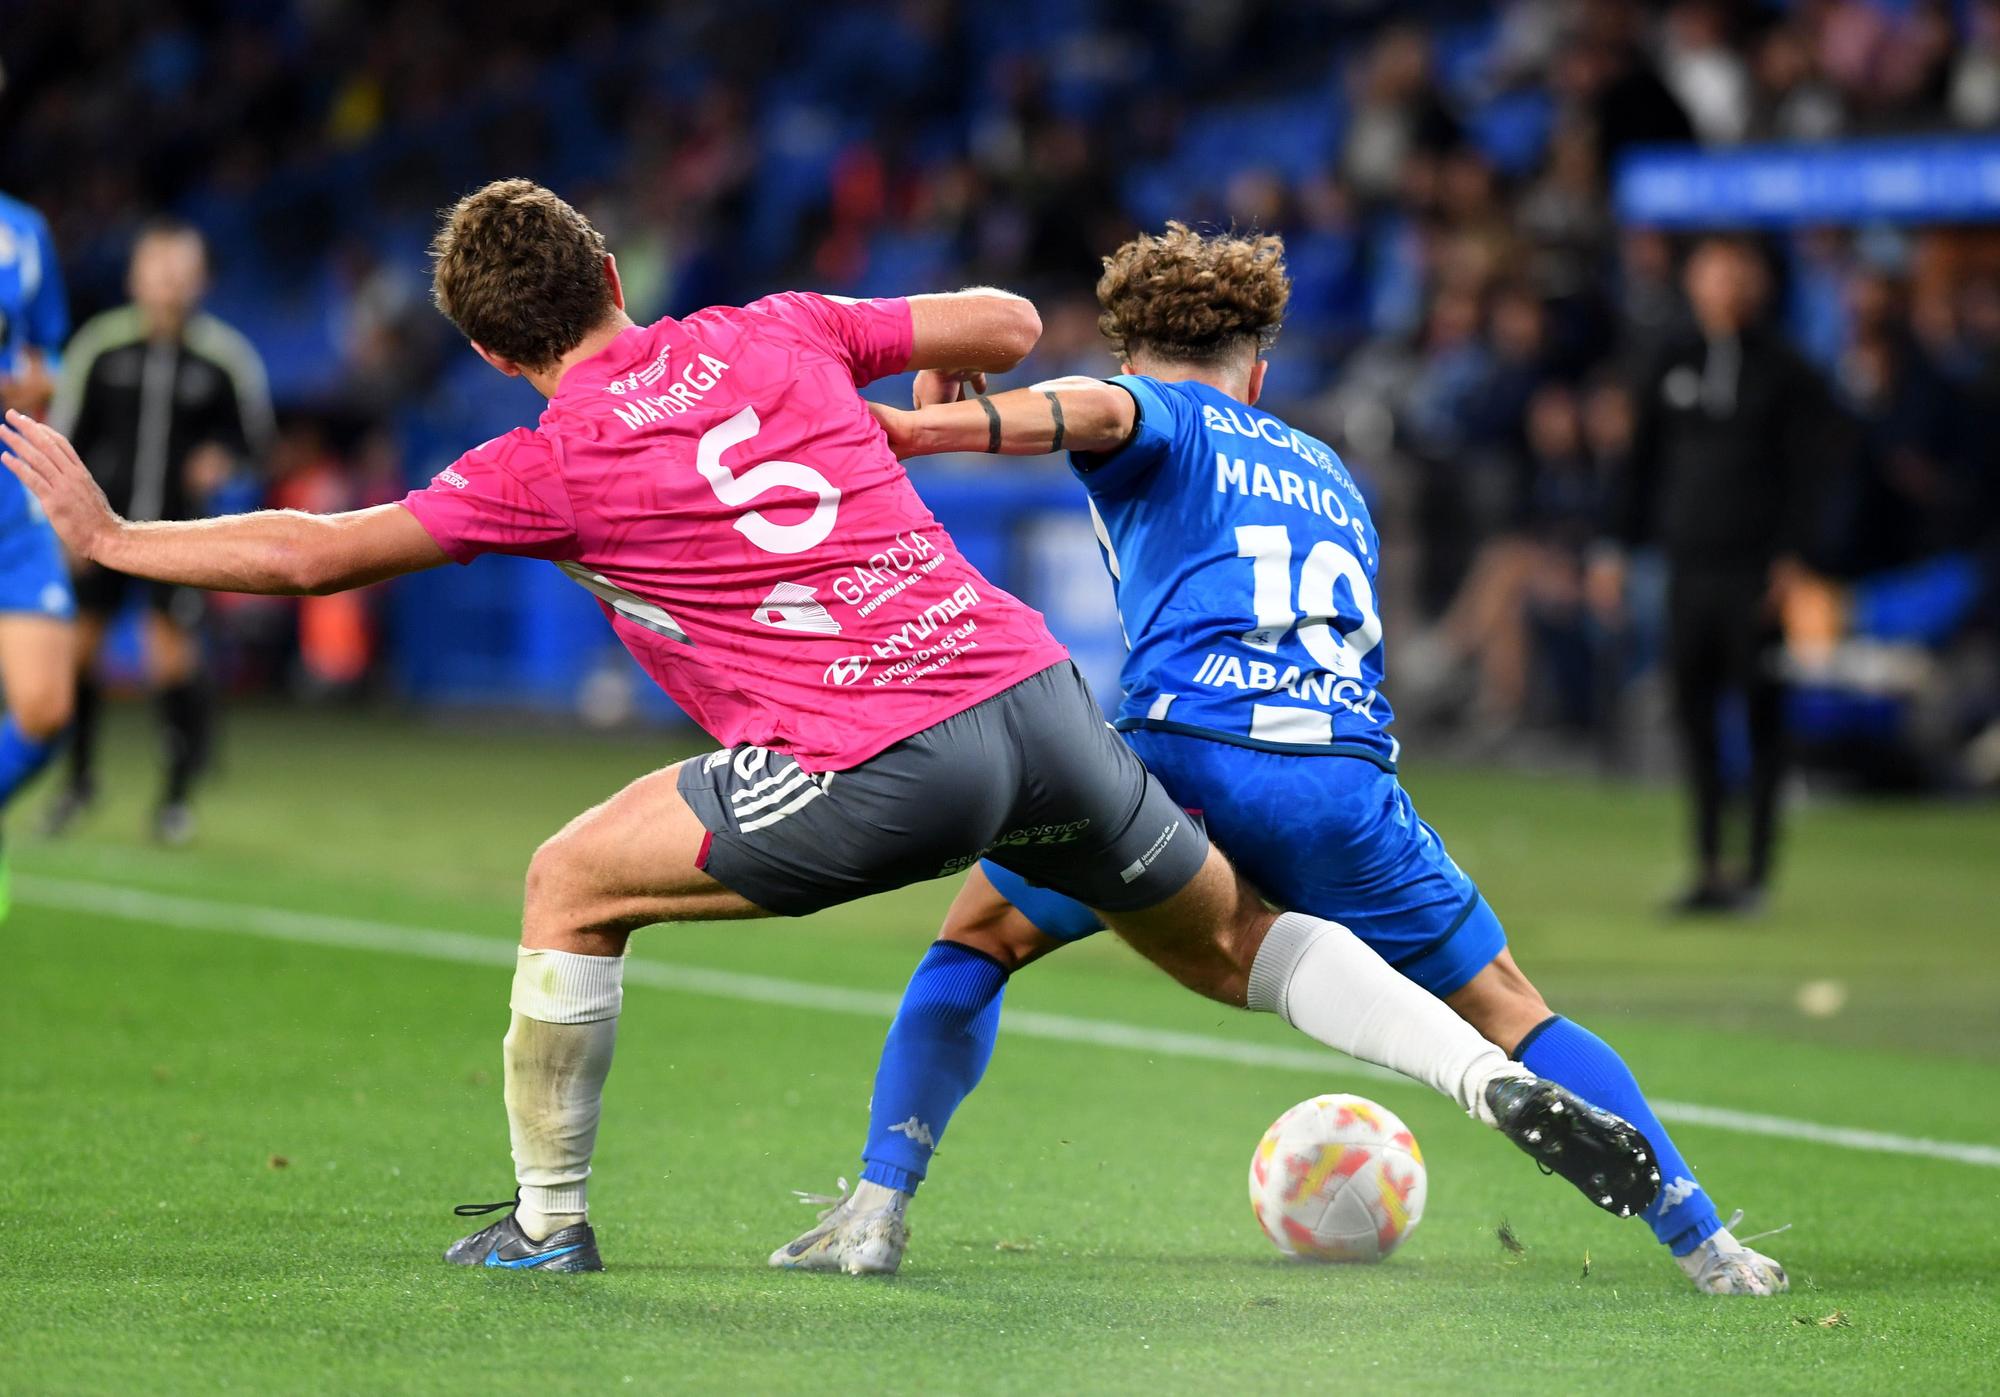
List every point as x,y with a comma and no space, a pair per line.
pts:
627,863
1501,1002
36,678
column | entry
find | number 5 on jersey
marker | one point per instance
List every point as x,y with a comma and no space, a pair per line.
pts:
737,491
791,606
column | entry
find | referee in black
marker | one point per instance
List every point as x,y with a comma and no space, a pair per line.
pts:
1731,451
165,402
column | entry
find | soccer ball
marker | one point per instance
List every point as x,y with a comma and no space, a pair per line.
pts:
1337,1178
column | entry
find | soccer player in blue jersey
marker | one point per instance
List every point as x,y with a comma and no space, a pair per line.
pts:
37,612
1244,563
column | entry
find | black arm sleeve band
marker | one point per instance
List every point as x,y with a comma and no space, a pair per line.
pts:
992,426
1087,461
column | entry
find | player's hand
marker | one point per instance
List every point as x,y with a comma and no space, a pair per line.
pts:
897,425
45,462
934,386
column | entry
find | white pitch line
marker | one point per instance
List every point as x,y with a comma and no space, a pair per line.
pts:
349,933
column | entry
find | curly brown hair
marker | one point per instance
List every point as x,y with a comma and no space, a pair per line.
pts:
520,272
1184,296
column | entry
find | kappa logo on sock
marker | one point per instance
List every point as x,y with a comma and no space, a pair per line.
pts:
1677,1193
917,1131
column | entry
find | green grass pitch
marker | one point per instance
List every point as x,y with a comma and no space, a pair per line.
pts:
230,1140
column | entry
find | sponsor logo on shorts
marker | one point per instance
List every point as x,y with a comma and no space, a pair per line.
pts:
1137,868
453,479
1065,832
846,670
55,598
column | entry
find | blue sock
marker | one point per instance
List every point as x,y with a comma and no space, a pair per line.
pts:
937,1051
21,757
1571,1055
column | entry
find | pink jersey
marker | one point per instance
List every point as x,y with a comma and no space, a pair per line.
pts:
720,487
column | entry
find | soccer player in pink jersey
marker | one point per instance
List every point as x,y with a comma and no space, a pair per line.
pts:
887,715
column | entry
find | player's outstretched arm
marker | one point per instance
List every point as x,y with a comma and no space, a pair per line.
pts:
1064,414
275,552
979,330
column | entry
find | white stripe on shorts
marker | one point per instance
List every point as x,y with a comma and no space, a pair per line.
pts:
744,793
806,797
751,807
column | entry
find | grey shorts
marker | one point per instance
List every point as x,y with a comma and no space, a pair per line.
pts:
1032,778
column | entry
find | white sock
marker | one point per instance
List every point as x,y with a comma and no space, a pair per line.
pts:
1722,1239
1324,981
558,1053
870,1196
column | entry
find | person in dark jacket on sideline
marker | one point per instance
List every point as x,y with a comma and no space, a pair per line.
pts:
168,401
1727,468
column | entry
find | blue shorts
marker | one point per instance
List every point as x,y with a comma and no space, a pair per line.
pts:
33,576
1331,836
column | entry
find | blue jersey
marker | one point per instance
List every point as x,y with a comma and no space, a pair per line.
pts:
32,312
1244,562
33,315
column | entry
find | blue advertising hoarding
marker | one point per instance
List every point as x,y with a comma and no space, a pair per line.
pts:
1938,179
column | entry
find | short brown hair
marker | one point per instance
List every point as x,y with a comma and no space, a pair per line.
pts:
520,272
1184,296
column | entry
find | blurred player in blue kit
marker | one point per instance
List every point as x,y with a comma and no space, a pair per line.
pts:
37,610
1244,563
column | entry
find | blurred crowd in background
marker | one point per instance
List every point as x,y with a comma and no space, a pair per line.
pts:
1470,324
